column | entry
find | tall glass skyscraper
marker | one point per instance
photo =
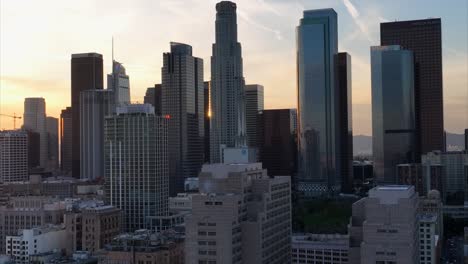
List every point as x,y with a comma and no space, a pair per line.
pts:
183,104
318,157
35,120
424,38
227,84
119,82
393,110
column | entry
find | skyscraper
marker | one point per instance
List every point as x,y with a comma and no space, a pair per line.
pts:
119,82
277,141
344,118
206,101
253,104
66,141
182,103
393,115
136,164
35,120
424,39
319,160
95,105
13,156
153,97
227,84
86,74
466,139
52,125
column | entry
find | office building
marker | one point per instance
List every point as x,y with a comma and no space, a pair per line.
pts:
240,216
182,103
206,101
34,119
320,248
253,104
227,84
34,241
432,205
429,242
344,118
466,139
34,150
424,39
319,160
52,125
384,226
92,226
153,97
453,169
136,164
393,111
66,141
143,246
423,178
34,211
119,82
13,155
95,105
86,74
277,141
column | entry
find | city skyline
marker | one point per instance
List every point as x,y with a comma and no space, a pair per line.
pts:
266,31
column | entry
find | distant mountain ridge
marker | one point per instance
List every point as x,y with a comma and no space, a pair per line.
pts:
362,144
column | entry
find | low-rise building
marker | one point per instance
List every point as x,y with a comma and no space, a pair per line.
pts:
144,246
28,212
320,248
91,225
34,241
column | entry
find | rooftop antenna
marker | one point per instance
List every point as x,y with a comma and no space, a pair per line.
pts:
112,49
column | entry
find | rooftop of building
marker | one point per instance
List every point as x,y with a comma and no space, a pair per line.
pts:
319,12
321,240
144,240
86,55
427,218
221,170
391,194
417,22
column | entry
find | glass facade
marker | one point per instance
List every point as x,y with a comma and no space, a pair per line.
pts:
318,162
393,110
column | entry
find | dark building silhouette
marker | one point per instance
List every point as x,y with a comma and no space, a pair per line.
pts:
153,97
466,139
423,38
66,127
207,120
253,104
86,74
34,145
344,118
182,104
276,139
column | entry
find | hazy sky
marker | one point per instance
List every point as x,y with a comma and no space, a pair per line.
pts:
37,39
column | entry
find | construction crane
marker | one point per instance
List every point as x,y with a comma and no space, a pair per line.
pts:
14,116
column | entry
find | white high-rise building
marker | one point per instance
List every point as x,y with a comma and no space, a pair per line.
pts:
227,84
119,82
136,164
240,216
384,227
13,156
35,120
95,105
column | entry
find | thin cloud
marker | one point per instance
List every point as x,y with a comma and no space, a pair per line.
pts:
243,15
357,19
